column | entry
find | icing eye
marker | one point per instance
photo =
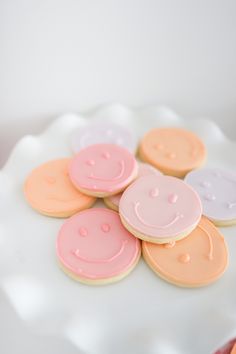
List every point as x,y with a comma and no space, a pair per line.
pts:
50,179
172,199
90,162
171,155
205,184
154,192
158,146
83,231
184,258
105,227
210,197
106,155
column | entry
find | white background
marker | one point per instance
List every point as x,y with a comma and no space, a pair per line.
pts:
70,55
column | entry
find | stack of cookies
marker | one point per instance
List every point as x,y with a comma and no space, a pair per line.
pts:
166,207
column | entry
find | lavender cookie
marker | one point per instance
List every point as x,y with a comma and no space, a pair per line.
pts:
217,190
102,133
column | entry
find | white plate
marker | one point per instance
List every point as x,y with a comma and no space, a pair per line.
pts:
140,314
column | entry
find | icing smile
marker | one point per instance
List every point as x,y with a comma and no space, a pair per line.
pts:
172,222
118,176
100,260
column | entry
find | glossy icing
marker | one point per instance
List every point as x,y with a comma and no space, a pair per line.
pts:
217,190
49,190
173,151
144,169
104,250
111,170
102,133
187,262
158,216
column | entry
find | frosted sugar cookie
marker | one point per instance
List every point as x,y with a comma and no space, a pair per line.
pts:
217,190
173,151
198,260
103,169
93,247
49,190
103,133
160,209
144,169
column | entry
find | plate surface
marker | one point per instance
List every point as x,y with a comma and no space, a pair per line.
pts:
140,314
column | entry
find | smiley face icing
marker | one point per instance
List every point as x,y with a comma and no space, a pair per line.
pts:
143,170
217,190
160,209
102,133
103,169
93,247
198,260
173,151
49,190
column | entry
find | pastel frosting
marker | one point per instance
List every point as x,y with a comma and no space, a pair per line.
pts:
173,151
196,260
93,244
160,207
49,190
103,168
102,133
144,169
217,190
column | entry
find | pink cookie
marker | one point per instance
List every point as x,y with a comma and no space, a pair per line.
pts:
160,209
144,169
103,169
93,247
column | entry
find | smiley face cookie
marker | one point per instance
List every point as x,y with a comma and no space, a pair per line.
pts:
93,247
173,151
49,190
198,260
160,209
103,169
103,133
144,169
217,190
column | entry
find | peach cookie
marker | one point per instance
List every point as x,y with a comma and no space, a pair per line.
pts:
49,190
198,260
217,190
143,170
173,151
103,169
160,209
93,247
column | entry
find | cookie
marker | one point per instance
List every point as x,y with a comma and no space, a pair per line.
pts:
144,169
217,190
103,169
103,133
173,151
49,190
198,260
160,209
93,247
